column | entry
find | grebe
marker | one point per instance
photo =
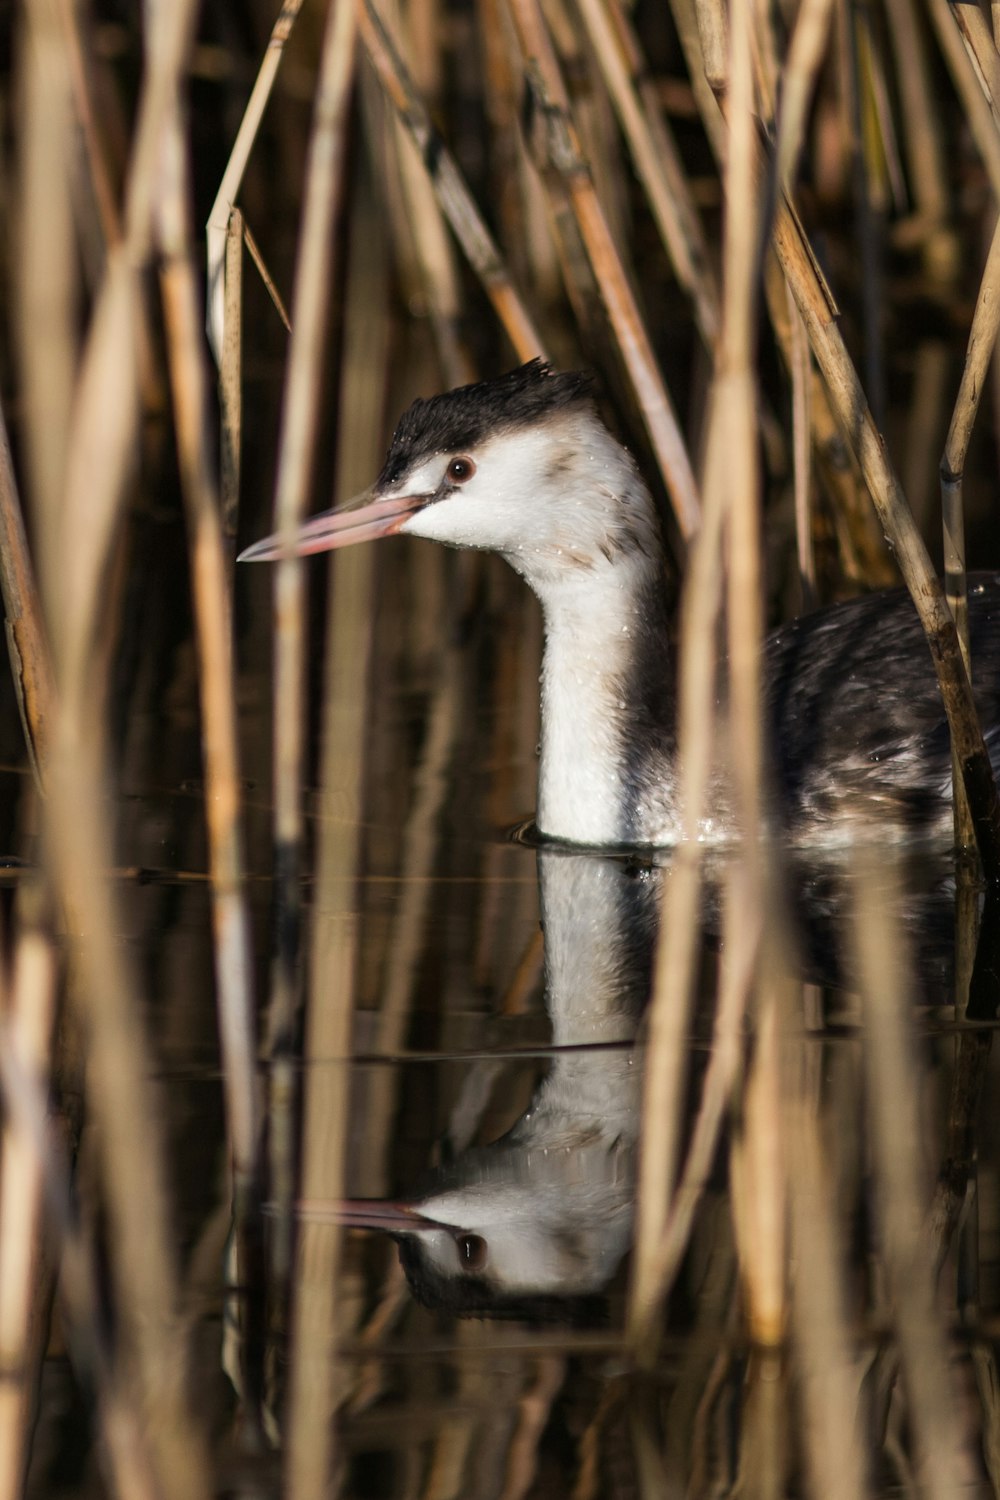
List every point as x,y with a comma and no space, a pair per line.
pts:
535,1224
523,465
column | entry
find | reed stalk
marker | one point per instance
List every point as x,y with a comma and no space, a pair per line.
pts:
657,162
856,421
80,495
217,229
731,480
968,80
424,221
457,203
131,1463
891,1068
922,138
27,1264
756,1156
213,609
230,385
801,371
981,47
48,279
674,973
724,1072
296,455
317,1377
826,1360
858,543
536,1409
409,933
27,646
979,354
866,211
254,252
802,65
622,310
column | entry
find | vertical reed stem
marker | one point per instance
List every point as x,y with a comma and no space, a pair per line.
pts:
299,421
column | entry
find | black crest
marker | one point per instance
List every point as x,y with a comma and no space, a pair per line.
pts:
462,418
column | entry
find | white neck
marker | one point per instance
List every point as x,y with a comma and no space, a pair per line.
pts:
597,626
599,930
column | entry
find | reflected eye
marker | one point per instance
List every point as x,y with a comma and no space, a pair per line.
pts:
473,1251
460,469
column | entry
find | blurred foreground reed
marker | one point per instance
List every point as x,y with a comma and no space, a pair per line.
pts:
728,215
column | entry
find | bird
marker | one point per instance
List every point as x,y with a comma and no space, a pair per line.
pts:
533,1226
523,465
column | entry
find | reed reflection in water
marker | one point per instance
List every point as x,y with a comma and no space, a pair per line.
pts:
206,918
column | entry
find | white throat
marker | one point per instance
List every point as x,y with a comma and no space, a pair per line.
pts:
592,624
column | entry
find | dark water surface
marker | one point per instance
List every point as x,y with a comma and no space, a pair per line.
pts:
474,1073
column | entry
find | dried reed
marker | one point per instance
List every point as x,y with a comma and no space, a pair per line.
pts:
890,1059
564,151
570,256
335,936
79,497
26,1272
296,457
213,610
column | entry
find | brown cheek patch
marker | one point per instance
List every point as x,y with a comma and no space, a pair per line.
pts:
560,466
566,549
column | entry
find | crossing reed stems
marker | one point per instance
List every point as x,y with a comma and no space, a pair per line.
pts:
85,414
213,610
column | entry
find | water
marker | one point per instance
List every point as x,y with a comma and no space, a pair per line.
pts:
473,1071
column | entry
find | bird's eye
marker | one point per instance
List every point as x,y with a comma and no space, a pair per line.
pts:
473,1251
460,469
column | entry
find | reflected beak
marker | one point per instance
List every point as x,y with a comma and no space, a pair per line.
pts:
369,1213
360,520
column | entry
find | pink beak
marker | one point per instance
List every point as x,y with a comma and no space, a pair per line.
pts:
360,520
392,1217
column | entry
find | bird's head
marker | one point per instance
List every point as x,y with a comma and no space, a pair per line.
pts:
513,1233
521,465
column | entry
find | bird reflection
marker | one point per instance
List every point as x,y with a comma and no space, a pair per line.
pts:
536,1224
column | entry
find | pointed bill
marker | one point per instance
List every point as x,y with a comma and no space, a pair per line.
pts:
360,520
391,1216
